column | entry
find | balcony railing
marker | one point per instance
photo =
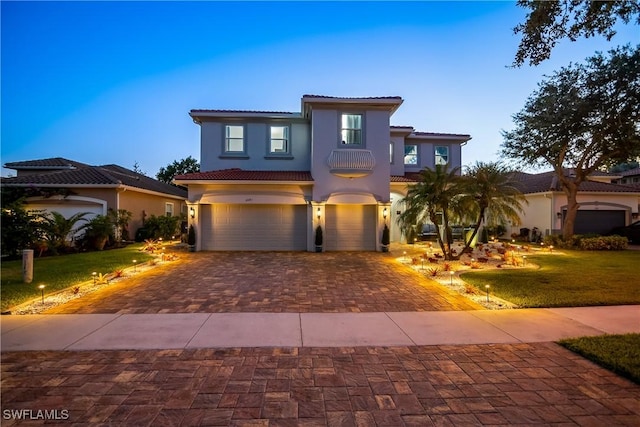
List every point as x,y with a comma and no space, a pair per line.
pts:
351,163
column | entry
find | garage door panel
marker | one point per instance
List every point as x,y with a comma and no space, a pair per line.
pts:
255,227
598,221
350,228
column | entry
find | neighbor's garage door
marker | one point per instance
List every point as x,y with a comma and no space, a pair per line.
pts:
600,222
350,228
254,227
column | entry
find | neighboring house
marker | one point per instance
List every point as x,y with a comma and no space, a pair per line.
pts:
629,177
78,187
603,205
268,179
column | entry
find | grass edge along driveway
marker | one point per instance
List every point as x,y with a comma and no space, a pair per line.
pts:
60,272
618,353
566,278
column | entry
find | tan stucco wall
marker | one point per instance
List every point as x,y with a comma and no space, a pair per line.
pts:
150,204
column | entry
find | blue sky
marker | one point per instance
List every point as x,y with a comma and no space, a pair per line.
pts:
113,82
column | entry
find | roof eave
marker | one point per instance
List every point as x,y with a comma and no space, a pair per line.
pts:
188,182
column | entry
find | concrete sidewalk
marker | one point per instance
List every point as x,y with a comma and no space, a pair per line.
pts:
204,330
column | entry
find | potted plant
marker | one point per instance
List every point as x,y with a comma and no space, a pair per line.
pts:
318,240
385,239
191,238
98,232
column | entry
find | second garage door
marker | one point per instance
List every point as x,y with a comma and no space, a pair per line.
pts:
350,228
598,221
254,227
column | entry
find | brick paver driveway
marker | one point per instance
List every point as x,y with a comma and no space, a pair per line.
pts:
213,282
521,384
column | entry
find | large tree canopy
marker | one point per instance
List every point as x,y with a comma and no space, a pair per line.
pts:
551,21
188,165
584,117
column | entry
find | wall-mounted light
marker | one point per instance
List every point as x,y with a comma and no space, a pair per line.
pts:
559,215
318,211
384,213
192,212
634,215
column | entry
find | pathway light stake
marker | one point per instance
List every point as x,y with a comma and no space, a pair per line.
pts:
524,260
451,273
487,287
94,277
404,255
134,265
42,291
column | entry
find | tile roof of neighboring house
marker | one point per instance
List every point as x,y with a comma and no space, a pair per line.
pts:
109,175
630,172
51,163
247,175
547,181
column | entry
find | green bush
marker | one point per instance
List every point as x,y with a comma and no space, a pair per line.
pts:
604,243
161,226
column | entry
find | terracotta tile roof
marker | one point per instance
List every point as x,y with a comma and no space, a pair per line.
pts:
351,97
107,175
457,135
547,181
247,175
51,163
407,177
242,111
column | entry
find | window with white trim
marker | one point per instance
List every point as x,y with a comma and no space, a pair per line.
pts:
442,155
279,140
168,209
411,155
234,139
351,129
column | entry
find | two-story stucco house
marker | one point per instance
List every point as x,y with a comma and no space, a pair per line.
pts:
268,179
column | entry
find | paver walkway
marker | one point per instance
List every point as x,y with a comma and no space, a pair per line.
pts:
267,282
521,384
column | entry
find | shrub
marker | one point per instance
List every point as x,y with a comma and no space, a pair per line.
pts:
319,239
191,236
604,243
99,230
385,236
161,226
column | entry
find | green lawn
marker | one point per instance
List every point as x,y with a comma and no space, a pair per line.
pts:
618,353
59,272
567,279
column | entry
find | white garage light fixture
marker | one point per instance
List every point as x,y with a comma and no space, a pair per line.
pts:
318,212
192,212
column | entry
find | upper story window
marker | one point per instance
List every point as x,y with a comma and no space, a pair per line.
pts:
351,129
279,140
234,139
411,155
168,209
442,155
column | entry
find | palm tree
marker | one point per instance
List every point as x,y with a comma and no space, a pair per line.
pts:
433,197
489,191
57,228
